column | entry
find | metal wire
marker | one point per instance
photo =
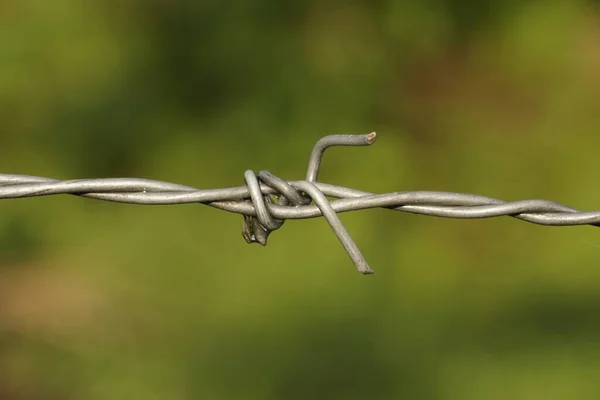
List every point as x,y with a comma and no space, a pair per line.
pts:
266,200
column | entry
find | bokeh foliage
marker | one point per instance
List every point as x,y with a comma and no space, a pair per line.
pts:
111,301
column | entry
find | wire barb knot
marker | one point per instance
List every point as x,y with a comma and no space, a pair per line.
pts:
256,228
266,200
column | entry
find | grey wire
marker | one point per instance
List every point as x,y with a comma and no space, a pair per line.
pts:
323,144
289,195
259,202
336,224
262,216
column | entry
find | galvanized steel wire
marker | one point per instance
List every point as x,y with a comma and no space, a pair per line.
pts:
266,200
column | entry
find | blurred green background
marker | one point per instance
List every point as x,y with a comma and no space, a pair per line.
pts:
112,301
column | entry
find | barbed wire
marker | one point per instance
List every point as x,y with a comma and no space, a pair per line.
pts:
266,200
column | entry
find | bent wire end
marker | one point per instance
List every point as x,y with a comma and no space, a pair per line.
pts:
314,162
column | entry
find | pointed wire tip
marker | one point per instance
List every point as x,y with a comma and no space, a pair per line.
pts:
367,272
363,267
371,137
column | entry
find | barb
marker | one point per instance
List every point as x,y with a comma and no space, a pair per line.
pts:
266,200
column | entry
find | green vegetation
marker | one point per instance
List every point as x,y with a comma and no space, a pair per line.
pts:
112,301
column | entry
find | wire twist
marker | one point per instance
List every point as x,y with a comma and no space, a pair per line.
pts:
267,200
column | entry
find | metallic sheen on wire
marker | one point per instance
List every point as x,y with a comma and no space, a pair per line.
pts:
262,214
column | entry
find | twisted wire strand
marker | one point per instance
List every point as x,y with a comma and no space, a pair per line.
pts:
267,200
